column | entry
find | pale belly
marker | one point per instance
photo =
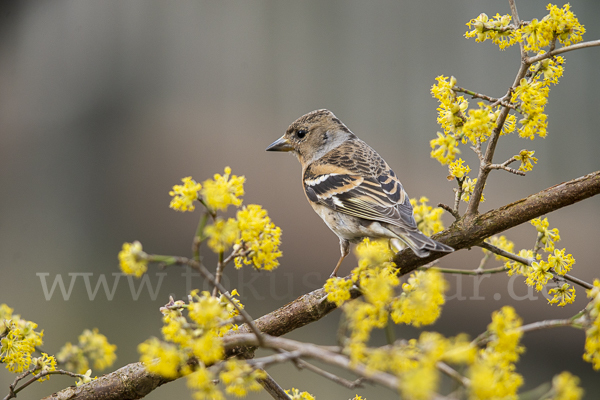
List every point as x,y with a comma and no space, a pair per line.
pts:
352,228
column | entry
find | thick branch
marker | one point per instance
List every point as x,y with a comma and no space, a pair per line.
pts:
133,382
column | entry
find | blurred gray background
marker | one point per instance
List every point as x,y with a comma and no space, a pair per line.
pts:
104,105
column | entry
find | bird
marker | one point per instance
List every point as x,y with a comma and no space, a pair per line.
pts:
350,186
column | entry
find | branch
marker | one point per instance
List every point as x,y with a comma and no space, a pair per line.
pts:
134,382
539,57
470,232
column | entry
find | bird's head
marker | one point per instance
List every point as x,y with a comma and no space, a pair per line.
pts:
312,136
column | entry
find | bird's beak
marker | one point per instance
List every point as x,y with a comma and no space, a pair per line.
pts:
280,144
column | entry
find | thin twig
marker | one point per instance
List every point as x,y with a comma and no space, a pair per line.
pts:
505,166
583,45
273,388
504,253
13,392
578,281
218,273
264,362
357,383
486,337
313,351
452,211
493,100
452,373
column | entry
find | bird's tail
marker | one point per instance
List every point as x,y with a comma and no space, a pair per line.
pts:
419,243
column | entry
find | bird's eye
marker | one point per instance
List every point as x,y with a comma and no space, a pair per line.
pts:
300,133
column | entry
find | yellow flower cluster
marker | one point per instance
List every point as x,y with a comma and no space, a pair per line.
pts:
468,186
497,29
480,124
451,116
546,236
185,195
19,339
592,333
444,148
45,363
560,23
563,295
526,158
502,243
223,190
428,219
93,348
240,378
566,387
493,373
198,337
457,170
132,259
414,362
532,97
418,304
222,234
541,271
259,239
296,394
550,69
421,300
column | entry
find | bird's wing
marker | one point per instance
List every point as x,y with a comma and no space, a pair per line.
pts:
375,196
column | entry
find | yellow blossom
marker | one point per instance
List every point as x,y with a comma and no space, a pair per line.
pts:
550,69
132,260
458,170
240,378
296,394
421,300
444,148
479,124
538,275
222,234
223,190
515,267
592,332
502,243
509,124
498,30
372,253
72,357
526,158
85,378
468,186
566,387
560,262
185,195
564,24
428,219
259,239
493,374
161,358
536,34
201,383
338,290
97,348
206,310
562,295
18,342
208,348
546,236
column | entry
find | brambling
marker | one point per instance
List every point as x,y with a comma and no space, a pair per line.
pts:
350,186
